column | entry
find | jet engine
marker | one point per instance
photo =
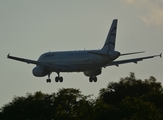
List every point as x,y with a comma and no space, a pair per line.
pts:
92,72
39,72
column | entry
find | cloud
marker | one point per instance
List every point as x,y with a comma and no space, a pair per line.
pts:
152,10
154,17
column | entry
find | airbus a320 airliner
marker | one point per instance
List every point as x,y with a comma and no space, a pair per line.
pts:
90,62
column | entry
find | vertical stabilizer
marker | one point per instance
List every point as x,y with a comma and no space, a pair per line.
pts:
111,38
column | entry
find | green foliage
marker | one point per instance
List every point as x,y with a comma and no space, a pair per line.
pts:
64,105
130,86
134,99
128,109
136,109
128,99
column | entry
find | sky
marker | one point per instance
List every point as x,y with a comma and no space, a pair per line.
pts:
30,28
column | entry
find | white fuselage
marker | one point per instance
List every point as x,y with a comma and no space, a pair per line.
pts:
75,61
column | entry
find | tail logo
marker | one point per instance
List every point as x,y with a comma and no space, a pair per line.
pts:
109,44
112,33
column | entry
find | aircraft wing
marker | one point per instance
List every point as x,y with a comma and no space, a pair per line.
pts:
42,64
46,65
134,60
23,60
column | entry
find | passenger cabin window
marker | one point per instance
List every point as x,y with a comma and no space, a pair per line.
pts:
73,55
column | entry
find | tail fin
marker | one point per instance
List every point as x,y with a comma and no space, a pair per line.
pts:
110,40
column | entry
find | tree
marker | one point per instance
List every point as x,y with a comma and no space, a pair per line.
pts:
72,105
64,105
131,91
128,109
130,98
130,86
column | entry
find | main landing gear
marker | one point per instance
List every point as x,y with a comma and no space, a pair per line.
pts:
93,78
48,80
57,79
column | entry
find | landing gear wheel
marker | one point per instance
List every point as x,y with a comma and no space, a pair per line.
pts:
48,80
61,79
93,78
56,79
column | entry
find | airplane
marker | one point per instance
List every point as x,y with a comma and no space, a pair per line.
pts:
90,62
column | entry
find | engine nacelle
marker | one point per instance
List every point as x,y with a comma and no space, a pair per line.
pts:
92,72
39,72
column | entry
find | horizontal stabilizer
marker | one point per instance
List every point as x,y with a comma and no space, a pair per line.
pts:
132,53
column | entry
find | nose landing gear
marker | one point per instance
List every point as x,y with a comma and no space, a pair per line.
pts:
48,80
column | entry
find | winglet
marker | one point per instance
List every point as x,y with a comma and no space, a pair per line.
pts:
161,55
8,55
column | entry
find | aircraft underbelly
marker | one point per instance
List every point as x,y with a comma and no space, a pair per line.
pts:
79,66
84,67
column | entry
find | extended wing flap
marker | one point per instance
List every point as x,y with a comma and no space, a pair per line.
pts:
135,60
